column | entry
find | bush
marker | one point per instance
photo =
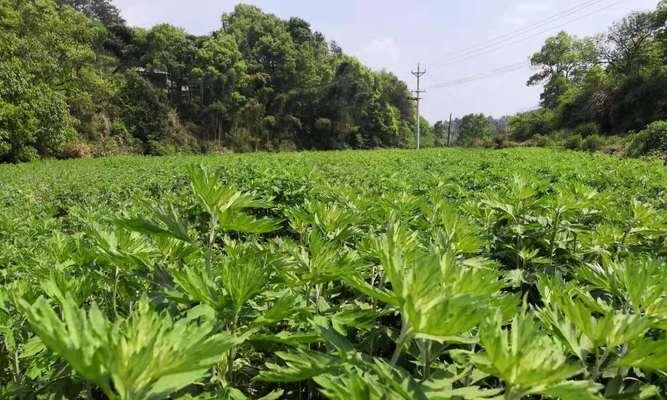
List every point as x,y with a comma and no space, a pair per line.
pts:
652,141
593,143
287,145
75,149
118,128
573,142
588,129
158,148
526,125
35,124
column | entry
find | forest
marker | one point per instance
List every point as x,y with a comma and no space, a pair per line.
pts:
603,88
78,82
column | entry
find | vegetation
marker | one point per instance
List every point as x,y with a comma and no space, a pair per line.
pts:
390,274
652,140
78,81
439,274
610,84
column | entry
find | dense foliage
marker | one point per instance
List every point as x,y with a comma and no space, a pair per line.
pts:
77,80
609,84
443,274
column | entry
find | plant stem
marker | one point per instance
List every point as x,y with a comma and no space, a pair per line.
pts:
115,292
511,394
427,361
599,362
17,367
232,351
403,337
318,290
554,232
211,238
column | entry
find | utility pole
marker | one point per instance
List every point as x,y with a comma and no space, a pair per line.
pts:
418,73
449,130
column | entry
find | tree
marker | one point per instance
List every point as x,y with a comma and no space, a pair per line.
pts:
473,129
524,126
616,81
98,10
259,82
145,108
629,42
168,49
50,74
564,59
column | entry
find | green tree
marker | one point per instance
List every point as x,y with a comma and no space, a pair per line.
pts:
473,129
616,81
98,10
629,43
524,126
144,108
563,60
50,71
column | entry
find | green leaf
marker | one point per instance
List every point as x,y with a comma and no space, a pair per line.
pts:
144,356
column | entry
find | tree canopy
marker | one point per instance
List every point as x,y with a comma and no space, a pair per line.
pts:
611,83
80,80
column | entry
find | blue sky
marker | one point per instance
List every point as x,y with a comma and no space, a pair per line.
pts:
396,34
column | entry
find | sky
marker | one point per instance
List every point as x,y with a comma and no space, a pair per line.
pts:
453,39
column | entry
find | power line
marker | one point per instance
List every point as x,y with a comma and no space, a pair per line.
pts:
527,29
486,75
499,46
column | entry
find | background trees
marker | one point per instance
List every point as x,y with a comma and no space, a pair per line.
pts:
50,76
76,74
473,129
610,84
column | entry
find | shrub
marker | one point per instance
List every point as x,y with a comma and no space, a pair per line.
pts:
588,129
573,142
650,141
118,128
593,143
75,149
526,125
159,148
287,145
37,123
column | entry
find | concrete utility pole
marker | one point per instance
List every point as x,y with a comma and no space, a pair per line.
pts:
449,130
418,73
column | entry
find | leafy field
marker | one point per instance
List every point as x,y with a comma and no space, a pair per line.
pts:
440,274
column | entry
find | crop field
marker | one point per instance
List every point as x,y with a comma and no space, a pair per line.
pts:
393,274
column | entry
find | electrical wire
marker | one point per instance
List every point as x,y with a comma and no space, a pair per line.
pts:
525,30
500,46
481,76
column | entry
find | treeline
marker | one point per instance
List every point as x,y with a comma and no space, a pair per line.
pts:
607,92
76,80
469,131
602,89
